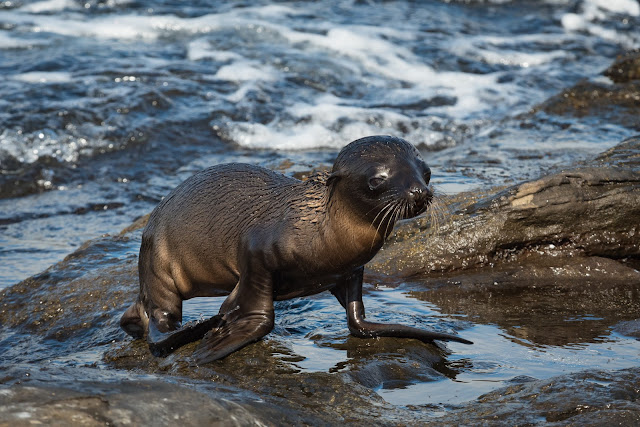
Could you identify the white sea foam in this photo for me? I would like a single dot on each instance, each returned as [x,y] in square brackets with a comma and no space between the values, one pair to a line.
[629,7]
[131,26]
[201,49]
[498,50]
[377,56]
[593,11]
[49,6]
[320,125]
[43,77]
[246,71]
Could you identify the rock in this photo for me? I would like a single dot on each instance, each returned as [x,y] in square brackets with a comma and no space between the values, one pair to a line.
[629,328]
[71,311]
[541,300]
[552,262]
[49,397]
[593,398]
[580,212]
[625,68]
[616,103]
[561,247]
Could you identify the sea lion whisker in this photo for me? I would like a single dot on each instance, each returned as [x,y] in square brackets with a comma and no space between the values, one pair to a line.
[382,202]
[440,214]
[380,212]
[387,209]
[385,220]
[393,218]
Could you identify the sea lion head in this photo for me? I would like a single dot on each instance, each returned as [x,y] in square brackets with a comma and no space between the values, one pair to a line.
[382,178]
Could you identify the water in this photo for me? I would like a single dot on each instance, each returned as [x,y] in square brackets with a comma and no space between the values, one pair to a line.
[107,105]
[497,358]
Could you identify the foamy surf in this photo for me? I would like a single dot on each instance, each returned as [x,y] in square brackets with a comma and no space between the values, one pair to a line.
[594,12]
[296,78]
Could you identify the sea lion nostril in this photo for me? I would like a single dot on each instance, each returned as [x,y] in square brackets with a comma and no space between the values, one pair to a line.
[418,193]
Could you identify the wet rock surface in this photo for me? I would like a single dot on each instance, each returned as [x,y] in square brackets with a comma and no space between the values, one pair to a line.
[551,263]
[613,100]
[586,398]
[69,315]
[528,259]
[580,212]
[546,268]
[625,68]
[40,397]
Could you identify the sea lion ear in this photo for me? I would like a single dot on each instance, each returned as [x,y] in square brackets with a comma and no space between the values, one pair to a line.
[333,177]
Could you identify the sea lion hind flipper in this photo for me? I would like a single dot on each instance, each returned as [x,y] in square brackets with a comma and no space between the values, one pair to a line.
[164,343]
[234,335]
[132,323]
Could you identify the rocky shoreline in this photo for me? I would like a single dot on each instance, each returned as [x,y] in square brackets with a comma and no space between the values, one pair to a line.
[566,244]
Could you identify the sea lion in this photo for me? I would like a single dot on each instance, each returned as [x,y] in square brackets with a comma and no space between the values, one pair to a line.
[261,236]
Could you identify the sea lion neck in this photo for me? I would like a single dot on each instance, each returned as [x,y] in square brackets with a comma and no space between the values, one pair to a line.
[351,223]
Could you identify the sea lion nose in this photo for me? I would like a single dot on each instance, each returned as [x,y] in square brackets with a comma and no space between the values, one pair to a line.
[419,199]
[420,193]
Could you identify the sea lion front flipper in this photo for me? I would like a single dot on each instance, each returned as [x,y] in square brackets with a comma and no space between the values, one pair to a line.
[248,312]
[349,294]
[163,343]
[223,341]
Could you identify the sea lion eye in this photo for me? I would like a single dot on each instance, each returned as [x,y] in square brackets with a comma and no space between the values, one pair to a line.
[377,180]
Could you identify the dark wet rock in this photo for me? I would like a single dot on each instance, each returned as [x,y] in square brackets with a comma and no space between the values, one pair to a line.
[19,179]
[625,68]
[624,155]
[612,103]
[552,261]
[616,103]
[541,300]
[60,396]
[587,398]
[629,328]
[74,307]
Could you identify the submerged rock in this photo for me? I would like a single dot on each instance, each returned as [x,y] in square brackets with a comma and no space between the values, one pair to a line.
[586,398]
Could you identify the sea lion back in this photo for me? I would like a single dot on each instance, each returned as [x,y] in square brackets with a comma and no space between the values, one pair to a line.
[197,229]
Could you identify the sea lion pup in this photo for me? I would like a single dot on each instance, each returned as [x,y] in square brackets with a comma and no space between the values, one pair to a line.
[261,236]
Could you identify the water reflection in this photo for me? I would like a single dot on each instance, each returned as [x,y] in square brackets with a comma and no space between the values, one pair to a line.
[518,335]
